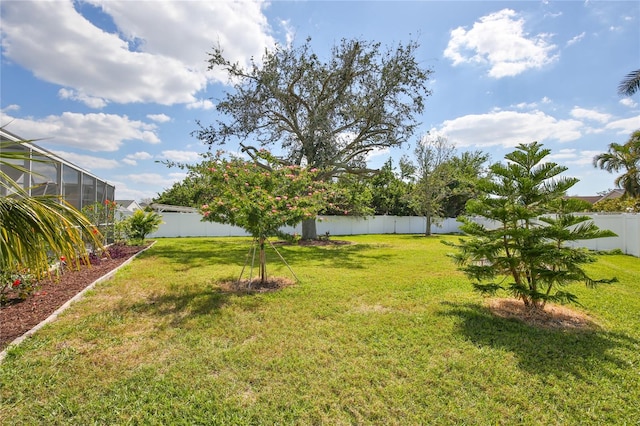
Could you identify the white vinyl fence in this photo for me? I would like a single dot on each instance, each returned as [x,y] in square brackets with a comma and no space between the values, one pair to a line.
[626,226]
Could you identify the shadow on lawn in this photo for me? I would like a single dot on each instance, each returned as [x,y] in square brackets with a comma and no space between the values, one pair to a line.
[184,305]
[347,256]
[542,351]
[187,255]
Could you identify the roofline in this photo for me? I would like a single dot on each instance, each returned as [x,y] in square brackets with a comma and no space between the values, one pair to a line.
[15,138]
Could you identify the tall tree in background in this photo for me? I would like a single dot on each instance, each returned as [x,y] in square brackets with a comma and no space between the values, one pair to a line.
[189,192]
[528,223]
[325,115]
[626,158]
[630,84]
[433,177]
[390,193]
[466,170]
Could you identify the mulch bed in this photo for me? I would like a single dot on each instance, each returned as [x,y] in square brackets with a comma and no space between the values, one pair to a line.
[552,317]
[19,316]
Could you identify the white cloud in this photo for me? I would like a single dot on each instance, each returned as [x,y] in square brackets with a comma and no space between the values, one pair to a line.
[573,157]
[204,104]
[290,33]
[131,159]
[589,114]
[576,39]
[378,152]
[628,102]
[12,107]
[525,105]
[61,46]
[160,118]
[135,186]
[90,101]
[500,41]
[625,126]
[180,156]
[507,129]
[153,178]
[88,162]
[93,132]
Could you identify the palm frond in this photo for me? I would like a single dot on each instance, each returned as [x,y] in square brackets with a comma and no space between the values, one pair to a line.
[630,84]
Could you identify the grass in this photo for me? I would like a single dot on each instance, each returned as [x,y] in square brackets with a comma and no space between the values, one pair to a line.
[384,331]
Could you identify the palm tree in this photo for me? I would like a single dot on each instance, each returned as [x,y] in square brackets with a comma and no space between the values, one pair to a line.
[630,84]
[623,157]
[35,230]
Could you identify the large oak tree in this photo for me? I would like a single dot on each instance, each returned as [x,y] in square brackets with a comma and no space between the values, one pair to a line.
[323,114]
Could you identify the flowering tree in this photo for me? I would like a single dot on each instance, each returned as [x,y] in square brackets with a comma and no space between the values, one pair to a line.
[258,196]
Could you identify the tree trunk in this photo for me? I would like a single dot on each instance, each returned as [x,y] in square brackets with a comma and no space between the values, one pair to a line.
[263,261]
[427,231]
[309,231]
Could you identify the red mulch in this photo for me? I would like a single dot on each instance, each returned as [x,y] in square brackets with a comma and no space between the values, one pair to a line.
[19,316]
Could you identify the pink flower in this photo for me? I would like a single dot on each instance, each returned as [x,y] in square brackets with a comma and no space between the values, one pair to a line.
[205,214]
[205,206]
[274,211]
[278,198]
[246,184]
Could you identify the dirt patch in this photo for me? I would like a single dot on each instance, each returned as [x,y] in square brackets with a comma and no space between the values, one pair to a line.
[255,285]
[552,317]
[313,243]
[19,316]
[324,242]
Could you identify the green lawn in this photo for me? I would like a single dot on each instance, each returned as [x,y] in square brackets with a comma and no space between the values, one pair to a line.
[384,331]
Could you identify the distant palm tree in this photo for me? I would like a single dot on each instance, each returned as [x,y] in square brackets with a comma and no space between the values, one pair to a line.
[630,84]
[623,157]
[36,230]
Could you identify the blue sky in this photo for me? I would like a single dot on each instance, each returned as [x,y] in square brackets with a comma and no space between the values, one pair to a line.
[114,86]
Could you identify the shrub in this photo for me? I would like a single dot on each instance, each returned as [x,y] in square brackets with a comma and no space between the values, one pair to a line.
[141,224]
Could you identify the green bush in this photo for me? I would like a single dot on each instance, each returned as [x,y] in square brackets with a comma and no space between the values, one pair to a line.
[141,224]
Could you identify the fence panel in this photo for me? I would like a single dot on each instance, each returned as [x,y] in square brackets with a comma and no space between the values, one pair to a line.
[626,226]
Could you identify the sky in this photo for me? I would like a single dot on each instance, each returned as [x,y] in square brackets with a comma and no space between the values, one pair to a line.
[116,87]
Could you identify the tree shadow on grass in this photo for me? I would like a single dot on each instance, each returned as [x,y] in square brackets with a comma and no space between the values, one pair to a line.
[186,256]
[182,305]
[543,351]
[348,256]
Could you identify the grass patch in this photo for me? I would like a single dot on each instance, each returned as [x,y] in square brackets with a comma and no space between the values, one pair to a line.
[382,331]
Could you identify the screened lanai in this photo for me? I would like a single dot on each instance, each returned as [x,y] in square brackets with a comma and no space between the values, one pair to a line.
[49,174]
